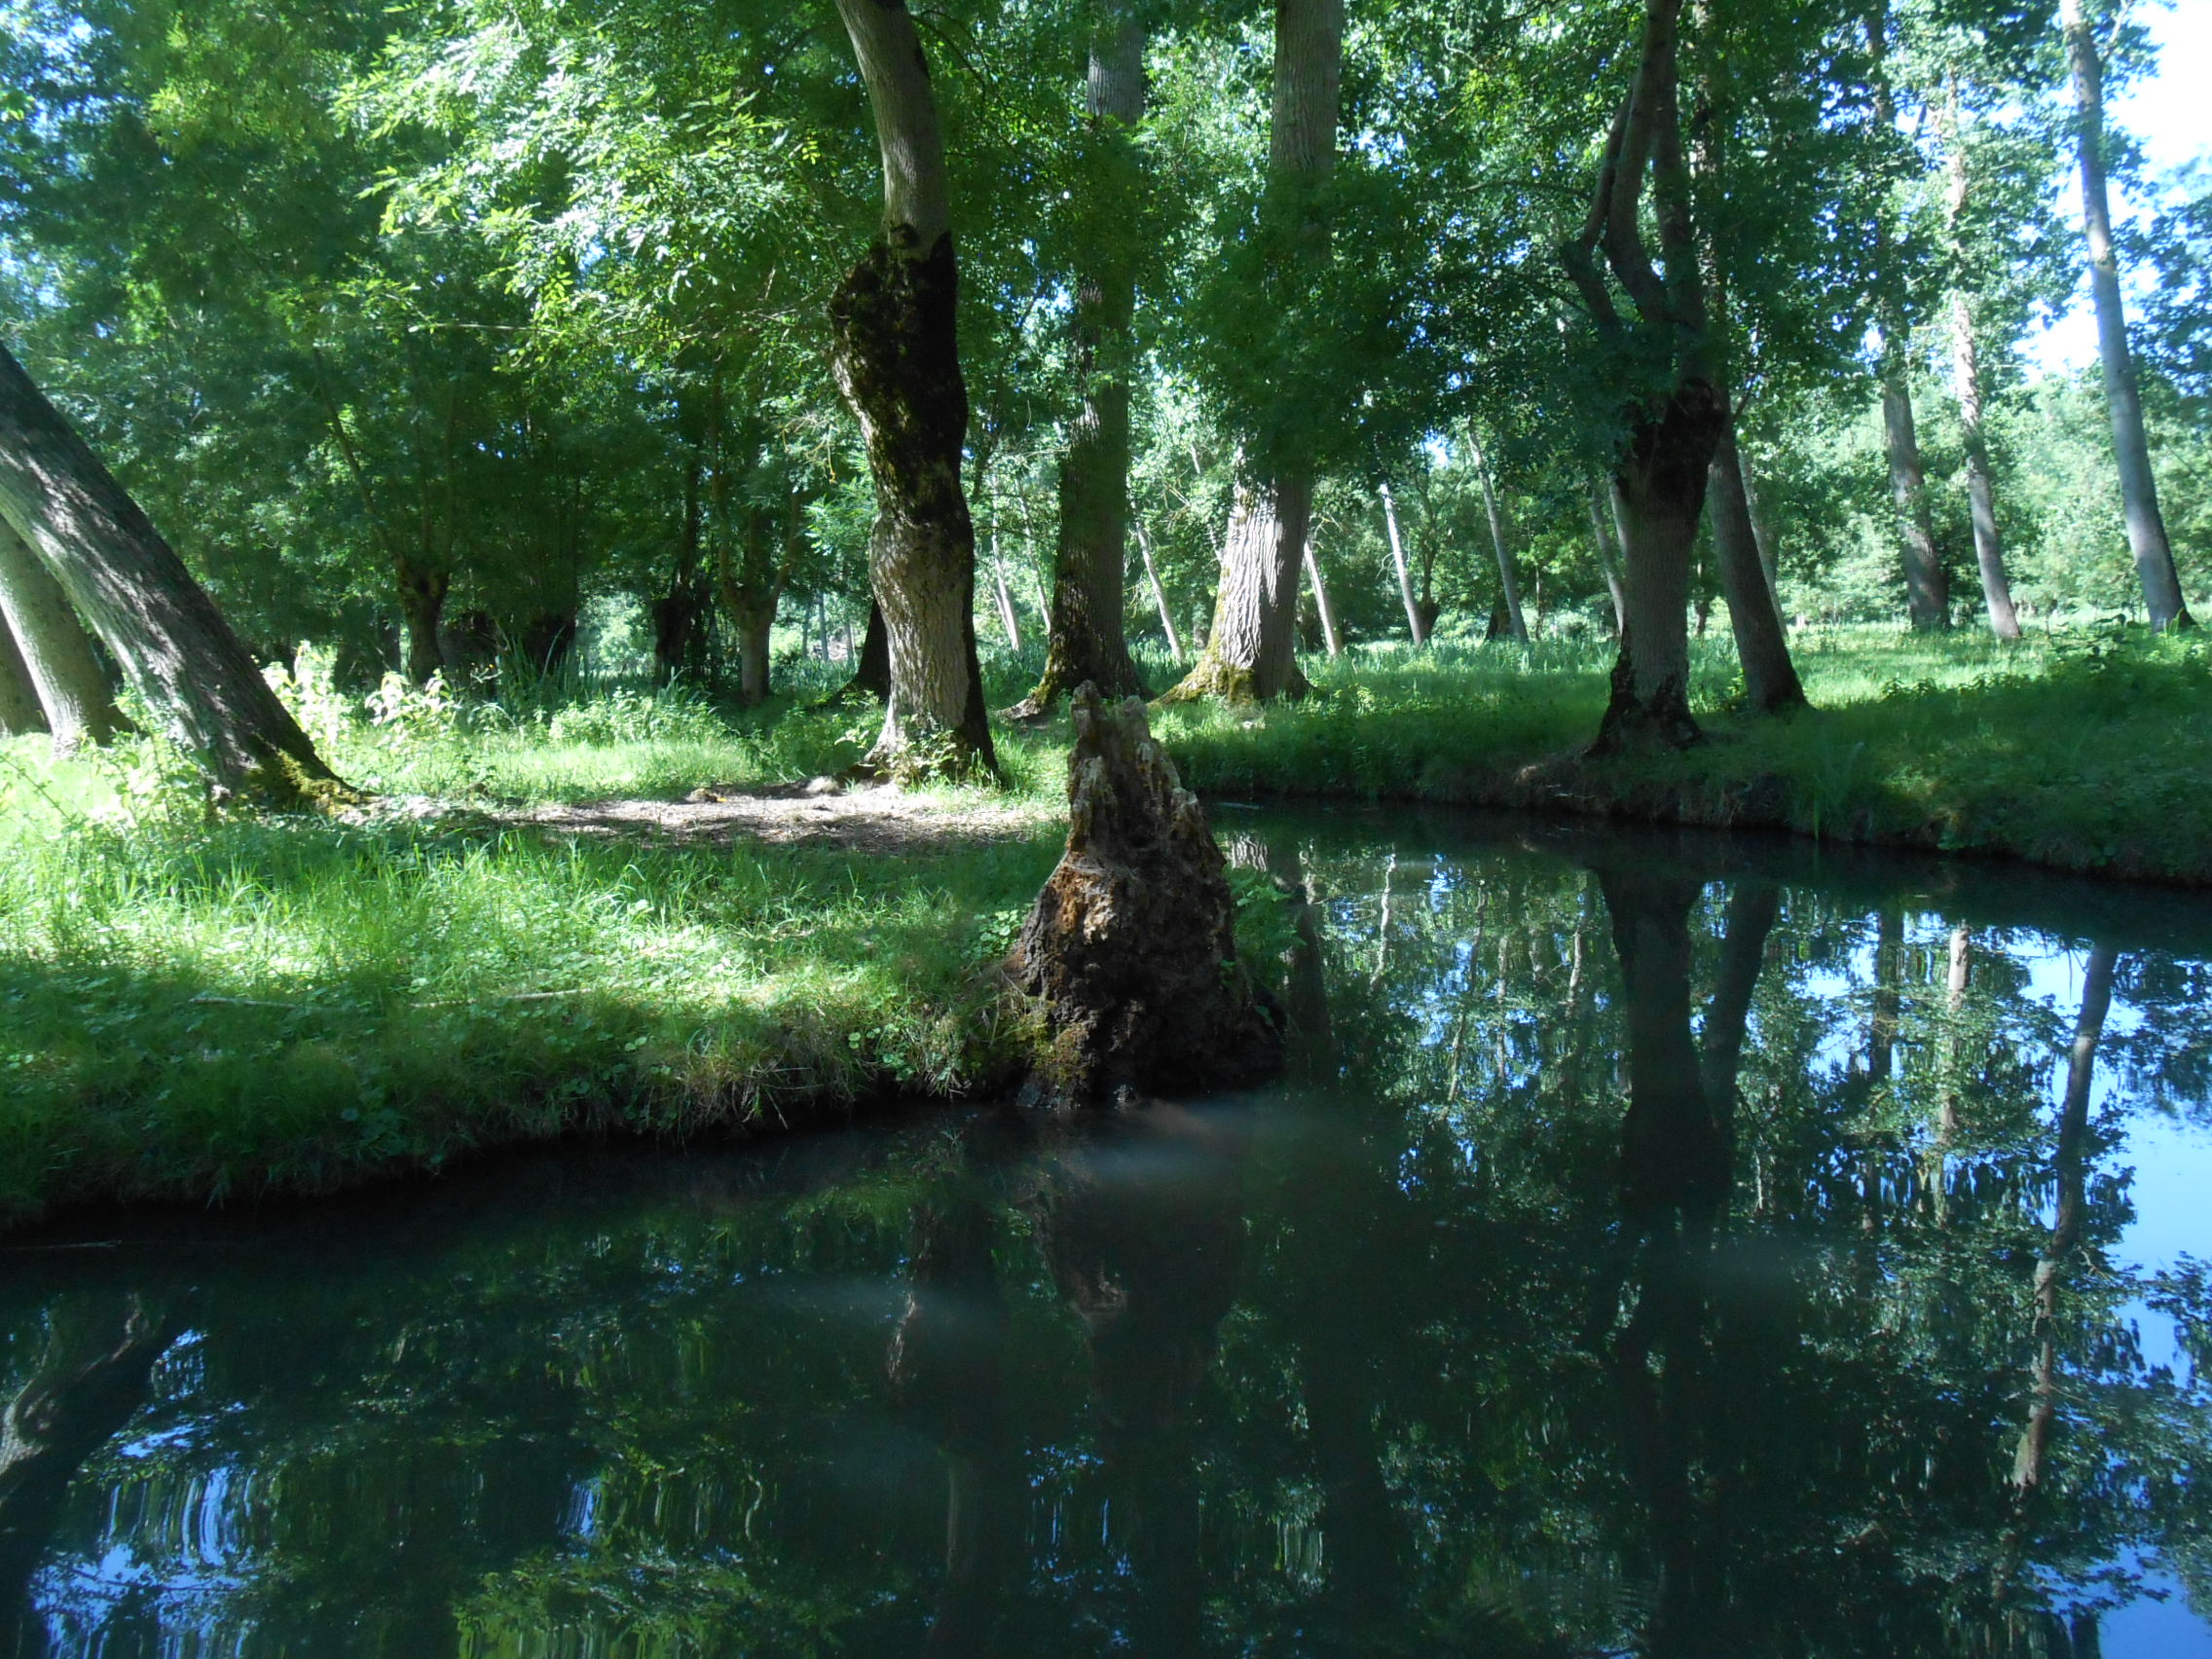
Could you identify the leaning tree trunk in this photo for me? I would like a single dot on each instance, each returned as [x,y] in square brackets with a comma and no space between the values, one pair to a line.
[1508,583]
[1927,597]
[1251,648]
[56,652]
[1331,637]
[20,709]
[2131,445]
[1417,625]
[896,354]
[134,592]
[1086,640]
[1770,677]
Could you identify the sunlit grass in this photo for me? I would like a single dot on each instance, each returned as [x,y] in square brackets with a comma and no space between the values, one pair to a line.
[192,1005]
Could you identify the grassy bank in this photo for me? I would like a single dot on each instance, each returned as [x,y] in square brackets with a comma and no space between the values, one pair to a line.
[195,1007]
[2085,753]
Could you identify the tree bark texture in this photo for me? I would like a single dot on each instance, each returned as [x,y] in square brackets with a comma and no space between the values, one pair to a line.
[896,354]
[1131,947]
[749,567]
[1770,679]
[1928,594]
[1675,420]
[2131,445]
[1088,640]
[1508,583]
[136,594]
[70,686]
[20,709]
[1251,649]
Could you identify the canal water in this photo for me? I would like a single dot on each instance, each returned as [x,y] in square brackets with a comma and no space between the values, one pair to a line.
[1661,1246]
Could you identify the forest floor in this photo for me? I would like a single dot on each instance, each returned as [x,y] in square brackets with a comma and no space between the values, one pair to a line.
[536,933]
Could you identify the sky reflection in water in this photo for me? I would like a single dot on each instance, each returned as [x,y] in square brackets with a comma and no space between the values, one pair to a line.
[1662,1245]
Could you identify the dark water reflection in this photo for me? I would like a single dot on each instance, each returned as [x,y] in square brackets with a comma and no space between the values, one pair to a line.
[1666,1248]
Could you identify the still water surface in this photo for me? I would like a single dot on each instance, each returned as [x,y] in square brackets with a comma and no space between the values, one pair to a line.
[1662,1245]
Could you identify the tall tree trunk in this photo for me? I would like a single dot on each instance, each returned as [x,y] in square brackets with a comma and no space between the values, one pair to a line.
[1417,625]
[1601,533]
[1251,648]
[136,594]
[1965,374]
[1508,584]
[1982,499]
[1329,634]
[20,709]
[1160,595]
[2131,445]
[1927,597]
[1250,652]
[1770,679]
[896,354]
[1087,639]
[56,652]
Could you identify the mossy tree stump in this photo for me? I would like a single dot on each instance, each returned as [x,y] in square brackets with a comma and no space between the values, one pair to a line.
[1132,947]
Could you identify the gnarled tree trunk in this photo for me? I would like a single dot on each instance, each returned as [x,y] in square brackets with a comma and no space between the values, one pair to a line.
[2131,445]
[896,359]
[423,588]
[133,591]
[1131,947]
[71,686]
[1088,640]
[1659,480]
[1251,648]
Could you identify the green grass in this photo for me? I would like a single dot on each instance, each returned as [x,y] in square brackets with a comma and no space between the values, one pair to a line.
[2089,753]
[194,1006]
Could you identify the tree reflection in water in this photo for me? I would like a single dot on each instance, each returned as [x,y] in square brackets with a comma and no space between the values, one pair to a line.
[1756,1285]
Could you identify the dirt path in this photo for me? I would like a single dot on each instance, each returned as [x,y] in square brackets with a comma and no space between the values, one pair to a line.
[873,820]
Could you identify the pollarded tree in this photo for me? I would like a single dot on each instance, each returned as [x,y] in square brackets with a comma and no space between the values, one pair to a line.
[1250,651]
[897,357]
[135,594]
[1664,357]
